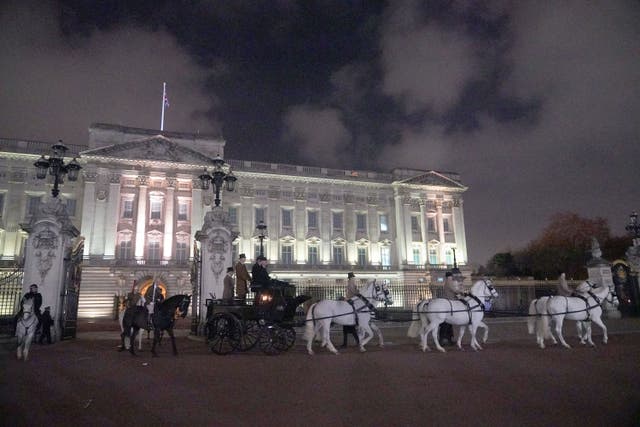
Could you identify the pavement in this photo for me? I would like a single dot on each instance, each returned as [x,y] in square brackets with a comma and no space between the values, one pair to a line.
[394,333]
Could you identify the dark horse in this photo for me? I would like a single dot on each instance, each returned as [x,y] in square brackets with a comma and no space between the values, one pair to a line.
[163,319]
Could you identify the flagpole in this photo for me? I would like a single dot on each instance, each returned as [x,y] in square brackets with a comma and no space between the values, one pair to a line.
[164,98]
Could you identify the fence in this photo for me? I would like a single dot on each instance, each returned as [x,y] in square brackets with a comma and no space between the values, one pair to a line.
[10,293]
[513,299]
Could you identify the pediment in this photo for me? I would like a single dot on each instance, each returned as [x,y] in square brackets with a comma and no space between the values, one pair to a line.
[433,178]
[157,148]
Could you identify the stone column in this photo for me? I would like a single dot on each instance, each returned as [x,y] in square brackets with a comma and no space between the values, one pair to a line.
[167,246]
[141,221]
[215,251]
[600,272]
[112,217]
[50,237]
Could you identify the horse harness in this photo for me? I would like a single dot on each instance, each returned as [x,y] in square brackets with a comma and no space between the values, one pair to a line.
[586,303]
[367,304]
[33,319]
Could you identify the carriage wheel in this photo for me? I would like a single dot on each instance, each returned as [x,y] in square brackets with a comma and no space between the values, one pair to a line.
[287,337]
[223,333]
[272,339]
[249,336]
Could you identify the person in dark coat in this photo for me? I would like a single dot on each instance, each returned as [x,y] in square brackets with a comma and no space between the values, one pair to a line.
[242,277]
[452,289]
[46,322]
[227,290]
[352,290]
[259,274]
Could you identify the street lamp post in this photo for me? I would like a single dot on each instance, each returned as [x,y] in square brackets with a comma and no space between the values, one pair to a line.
[262,234]
[219,175]
[633,227]
[56,167]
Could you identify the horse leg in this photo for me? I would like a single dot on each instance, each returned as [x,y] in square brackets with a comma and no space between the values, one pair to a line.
[19,348]
[485,337]
[473,328]
[460,335]
[375,328]
[368,334]
[433,327]
[122,336]
[540,332]
[598,321]
[326,326]
[558,320]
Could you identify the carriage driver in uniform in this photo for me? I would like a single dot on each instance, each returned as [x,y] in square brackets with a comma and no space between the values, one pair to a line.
[453,290]
[259,274]
[242,278]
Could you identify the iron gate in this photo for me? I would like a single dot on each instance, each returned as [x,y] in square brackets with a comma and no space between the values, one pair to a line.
[10,293]
[71,291]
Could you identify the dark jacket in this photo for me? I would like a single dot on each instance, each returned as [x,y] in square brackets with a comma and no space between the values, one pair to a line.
[260,276]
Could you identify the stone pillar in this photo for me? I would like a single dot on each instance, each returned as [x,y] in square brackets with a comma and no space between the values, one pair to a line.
[600,272]
[141,221]
[51,235]
[167,246]
[215,251]
[112,217]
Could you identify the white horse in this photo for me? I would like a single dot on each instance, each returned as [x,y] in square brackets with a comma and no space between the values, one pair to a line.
[356,312]
[26,328]
[468,311]
[580,309]
[422,321]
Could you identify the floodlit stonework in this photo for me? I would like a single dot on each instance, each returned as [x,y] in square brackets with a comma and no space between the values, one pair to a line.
[138,204]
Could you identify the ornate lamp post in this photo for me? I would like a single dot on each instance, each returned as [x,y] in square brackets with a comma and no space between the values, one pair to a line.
[633,227]
[261,229]
[56,167]
[220,174]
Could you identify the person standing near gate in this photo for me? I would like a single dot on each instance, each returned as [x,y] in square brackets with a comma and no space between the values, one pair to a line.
[351,291]
[46,322]
[227,286]
[242,278]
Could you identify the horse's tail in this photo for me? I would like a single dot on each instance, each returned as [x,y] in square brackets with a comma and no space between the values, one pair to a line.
[308,327]
[531,320]
[414,328]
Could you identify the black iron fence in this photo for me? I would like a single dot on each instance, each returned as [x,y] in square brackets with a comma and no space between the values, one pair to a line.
[10,293]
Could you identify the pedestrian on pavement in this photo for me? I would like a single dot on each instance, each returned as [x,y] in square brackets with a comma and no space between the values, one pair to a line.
[351,291]
[46,322]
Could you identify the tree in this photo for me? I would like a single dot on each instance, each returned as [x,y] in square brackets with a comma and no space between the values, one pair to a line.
[565,245]
[502,264]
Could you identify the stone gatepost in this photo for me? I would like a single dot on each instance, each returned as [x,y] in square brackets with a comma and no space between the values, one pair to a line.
[51,235]
[600,272]
[215,240]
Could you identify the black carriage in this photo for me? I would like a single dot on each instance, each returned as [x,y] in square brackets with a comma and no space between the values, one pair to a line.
[268,321]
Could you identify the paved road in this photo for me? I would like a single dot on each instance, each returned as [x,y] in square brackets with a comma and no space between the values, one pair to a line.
[510,383]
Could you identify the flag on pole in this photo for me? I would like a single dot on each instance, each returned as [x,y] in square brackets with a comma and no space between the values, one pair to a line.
[165,104]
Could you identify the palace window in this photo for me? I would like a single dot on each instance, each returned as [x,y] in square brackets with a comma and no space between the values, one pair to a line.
[154,252]
[155,211]
[233,215]
[33,203]
[445,225]
[312,219]
[338,254]
[286,254]
[433,256]
[431,224]
[182,251]
[361,222]
[415,224]
[183,210]
[384,223]
[125,246]
[362,256]
[448,256]
[385,256]
[416,256]
[1,203]
[337,221]
[260,215]
[127,208]
[312,252]
[287,218]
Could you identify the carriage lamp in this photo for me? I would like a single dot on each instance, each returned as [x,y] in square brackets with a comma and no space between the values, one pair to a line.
[56,167]
[261,233]
[633,227]
[265,297]
[220,175]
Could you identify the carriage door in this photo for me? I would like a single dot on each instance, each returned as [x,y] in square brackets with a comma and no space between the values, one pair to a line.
[71,292]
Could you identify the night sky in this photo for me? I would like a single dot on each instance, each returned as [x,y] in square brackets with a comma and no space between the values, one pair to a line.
[534,103]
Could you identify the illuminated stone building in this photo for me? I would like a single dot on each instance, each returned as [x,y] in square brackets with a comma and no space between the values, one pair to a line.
[138,205]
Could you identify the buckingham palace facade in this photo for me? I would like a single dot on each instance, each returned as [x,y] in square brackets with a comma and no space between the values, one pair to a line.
[138,204]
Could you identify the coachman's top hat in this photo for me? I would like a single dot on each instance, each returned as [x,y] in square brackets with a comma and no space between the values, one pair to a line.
[350,275]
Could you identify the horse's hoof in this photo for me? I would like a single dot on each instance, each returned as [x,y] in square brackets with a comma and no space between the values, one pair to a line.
[363,350]
[442,350]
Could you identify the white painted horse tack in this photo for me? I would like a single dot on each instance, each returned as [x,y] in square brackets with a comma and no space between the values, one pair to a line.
[470,312]
[560,308]
[26,329]
[359,311]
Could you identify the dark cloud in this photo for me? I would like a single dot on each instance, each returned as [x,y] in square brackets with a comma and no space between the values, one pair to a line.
[533,103]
